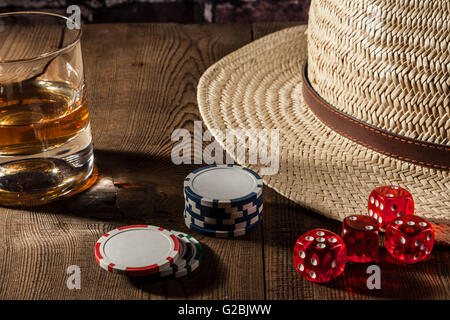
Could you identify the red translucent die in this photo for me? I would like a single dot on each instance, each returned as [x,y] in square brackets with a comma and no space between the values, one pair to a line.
[361,237]
[389,202]
[409,239]
[319,255]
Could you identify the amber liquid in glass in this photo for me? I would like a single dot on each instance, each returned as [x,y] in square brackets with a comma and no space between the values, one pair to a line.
[45,141]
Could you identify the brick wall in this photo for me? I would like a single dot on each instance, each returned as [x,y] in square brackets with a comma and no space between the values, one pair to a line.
[184,11]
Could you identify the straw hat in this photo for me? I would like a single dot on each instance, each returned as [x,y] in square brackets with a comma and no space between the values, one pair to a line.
[373,109]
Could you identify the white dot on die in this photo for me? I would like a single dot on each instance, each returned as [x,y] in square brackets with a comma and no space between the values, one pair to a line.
[321,246]
[345,231]
[394,207]
[422,247]
[353,218]
[333,264]
[320,233]
[381,206]
[312,274]
[314,261]
[390,195]
[332,240]
[416,256]
[429,237]
[375,216]
[427,251]
[309,238]
[402,240]
[370,212]
[417,243]
[369,228]
[301,254]
[301,267]
[422,224]
[395,188]
[320,239]
[377,203]
[399,222]
[372,200]
[410,223]
[380,219]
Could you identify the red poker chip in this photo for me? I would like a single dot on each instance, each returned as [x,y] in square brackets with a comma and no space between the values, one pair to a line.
[137,250]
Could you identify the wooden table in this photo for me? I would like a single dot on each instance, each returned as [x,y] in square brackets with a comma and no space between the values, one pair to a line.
[142,80]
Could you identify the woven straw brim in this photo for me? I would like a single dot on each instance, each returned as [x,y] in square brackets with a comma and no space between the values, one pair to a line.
[259,87]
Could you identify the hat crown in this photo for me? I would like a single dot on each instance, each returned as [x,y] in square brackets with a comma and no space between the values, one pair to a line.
[385,62]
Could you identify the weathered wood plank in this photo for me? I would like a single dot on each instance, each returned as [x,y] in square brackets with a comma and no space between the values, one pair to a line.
[142,82]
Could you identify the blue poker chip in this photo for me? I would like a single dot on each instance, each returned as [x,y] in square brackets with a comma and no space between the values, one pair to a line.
[223,186]
[221,233]
[224,213]
[220,204]
[224,227]
[236,206]
[225,222]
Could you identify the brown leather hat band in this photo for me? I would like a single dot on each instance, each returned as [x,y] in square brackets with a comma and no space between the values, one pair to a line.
[403,148]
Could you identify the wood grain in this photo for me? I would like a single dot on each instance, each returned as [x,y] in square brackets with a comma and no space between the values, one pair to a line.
[142,81]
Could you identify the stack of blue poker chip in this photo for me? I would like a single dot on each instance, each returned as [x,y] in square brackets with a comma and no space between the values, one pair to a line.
[223,201]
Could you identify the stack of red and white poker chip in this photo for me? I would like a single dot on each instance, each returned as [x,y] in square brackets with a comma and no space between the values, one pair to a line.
[145,250]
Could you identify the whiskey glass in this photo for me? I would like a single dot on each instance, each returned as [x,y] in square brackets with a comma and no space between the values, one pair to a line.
[45,136]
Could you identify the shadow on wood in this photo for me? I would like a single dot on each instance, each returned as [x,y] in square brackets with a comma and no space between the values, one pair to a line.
[398,281]
[200,280]
[132,188]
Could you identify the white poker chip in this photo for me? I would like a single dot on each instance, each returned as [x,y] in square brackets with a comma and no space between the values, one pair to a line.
[229,213]
[223,186]
[182,261]
[183,247]
[220,233]
[137,250]
[250,214]
[224,227]
[196,257]
[193,257]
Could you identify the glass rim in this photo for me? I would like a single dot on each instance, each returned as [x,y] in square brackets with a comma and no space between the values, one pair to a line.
[45,54]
